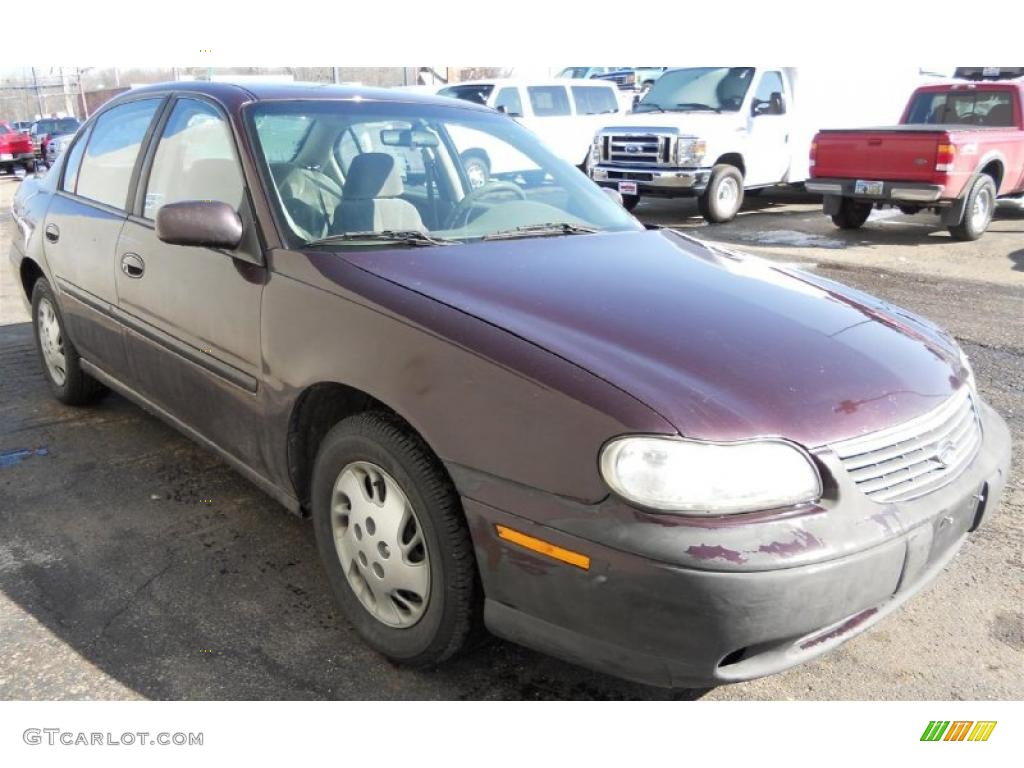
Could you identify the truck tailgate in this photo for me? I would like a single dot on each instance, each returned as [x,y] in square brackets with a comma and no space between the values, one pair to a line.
[884,154]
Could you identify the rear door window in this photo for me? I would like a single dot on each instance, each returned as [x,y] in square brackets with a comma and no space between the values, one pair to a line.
[594,100]
[509,99]
[113,150]
[549,100]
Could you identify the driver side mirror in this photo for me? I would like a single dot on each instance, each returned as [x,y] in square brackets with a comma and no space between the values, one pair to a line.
[203,223]
[775,105]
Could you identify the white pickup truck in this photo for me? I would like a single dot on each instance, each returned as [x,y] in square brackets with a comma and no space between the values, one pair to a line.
[715,132]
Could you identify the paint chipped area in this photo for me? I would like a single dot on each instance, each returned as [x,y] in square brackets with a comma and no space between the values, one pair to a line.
[708,552]
[847,626]
[792,237]
[804,542]
[17,455]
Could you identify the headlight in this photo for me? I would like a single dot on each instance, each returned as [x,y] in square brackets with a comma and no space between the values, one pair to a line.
[690,150]
[693,477]
[595,150]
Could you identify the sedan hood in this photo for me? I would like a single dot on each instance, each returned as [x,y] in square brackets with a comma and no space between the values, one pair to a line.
[724,346]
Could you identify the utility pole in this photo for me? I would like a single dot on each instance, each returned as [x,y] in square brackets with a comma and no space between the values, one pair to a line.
[39,96]
[337,74]
[81,94]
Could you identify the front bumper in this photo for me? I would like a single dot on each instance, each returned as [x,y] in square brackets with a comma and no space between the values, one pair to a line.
[673,603]
[906,192]
[664,182]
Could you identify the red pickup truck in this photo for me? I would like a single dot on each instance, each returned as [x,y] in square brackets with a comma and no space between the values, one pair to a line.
[15,149]
[958,147]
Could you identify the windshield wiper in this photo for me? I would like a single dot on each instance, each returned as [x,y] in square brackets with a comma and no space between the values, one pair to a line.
[694,105]
[540,230]
[397,237]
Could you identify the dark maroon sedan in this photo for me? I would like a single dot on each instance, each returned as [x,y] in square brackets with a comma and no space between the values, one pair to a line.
[508,405]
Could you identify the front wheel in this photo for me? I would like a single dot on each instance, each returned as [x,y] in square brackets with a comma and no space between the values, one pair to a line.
[978,212]
[394,542]
[722,199]
[852,214]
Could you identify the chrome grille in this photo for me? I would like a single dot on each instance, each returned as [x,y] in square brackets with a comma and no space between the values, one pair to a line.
[916,457]
[640,148]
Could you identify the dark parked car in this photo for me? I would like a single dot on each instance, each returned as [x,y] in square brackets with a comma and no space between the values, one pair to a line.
[507,406]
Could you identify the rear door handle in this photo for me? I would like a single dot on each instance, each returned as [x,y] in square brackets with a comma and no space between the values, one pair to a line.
[133,265]
[52,233]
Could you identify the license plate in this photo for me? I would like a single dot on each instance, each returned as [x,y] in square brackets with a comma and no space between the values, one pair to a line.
[868,187]
[627,187]
[6,156]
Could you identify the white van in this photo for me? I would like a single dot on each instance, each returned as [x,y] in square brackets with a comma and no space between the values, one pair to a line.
[715,132]
[564,113]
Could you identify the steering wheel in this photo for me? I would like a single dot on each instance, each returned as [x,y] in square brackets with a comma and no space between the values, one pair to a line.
[459,216]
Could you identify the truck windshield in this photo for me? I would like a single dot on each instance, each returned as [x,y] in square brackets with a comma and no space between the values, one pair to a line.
[372,174]
[983,107]
[718,89]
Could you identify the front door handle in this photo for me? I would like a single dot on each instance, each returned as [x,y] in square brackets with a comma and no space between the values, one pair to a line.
[133,265]
[52,233]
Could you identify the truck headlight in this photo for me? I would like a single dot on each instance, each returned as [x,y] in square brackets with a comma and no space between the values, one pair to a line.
[690,150]
[701,478]
[595,151]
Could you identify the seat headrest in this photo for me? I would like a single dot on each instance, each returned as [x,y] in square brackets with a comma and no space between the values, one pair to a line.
[372,175]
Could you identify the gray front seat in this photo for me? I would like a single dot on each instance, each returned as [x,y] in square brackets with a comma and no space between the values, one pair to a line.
[370,199]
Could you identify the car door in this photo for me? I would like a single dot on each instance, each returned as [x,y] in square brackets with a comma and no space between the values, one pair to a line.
[83,223]
[768,129]
[192,313]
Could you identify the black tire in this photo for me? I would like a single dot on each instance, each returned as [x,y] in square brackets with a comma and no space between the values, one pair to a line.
[78,387]
[30,166]
[454,610]
[974,224]
[715,207]
[629,202]
[852,214]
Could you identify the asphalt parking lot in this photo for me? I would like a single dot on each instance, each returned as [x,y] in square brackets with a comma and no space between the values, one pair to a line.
[134,564]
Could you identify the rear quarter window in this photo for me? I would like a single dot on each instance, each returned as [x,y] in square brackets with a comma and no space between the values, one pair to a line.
[594,100]
[549,100]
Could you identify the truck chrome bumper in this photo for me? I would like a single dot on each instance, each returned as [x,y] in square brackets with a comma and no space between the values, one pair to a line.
[909,192]
[653,180]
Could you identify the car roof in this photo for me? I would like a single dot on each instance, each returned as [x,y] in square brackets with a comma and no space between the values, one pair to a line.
[296,91]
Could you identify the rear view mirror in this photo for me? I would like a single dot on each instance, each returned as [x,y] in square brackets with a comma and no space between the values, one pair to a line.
[199,222]
[405,137]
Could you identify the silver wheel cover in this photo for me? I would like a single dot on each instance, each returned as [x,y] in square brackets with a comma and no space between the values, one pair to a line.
[380,544]
[51,341]
[728,195]
[981,211]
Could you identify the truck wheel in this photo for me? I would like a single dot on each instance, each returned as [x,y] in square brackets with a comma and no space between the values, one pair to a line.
[629,202]
[61,362]
[852,214]
[394,541]
[981,204]
[477,170]
[722,199]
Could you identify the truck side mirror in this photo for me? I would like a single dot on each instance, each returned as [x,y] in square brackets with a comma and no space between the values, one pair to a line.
[778,103]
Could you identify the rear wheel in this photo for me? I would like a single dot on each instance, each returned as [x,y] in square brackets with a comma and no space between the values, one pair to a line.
[852,214]
[978,212]
[394,542]
[722,199]
[60,359]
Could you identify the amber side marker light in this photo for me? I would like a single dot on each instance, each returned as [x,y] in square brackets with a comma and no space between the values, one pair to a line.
[543,547]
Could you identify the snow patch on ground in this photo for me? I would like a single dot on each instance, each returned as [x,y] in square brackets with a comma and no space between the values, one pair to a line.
[792,237]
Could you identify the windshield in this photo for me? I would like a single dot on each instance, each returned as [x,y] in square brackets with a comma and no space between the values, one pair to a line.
[477,93]
[365,172]
[4,129]
[991,108]
[721,89]
[574,72]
